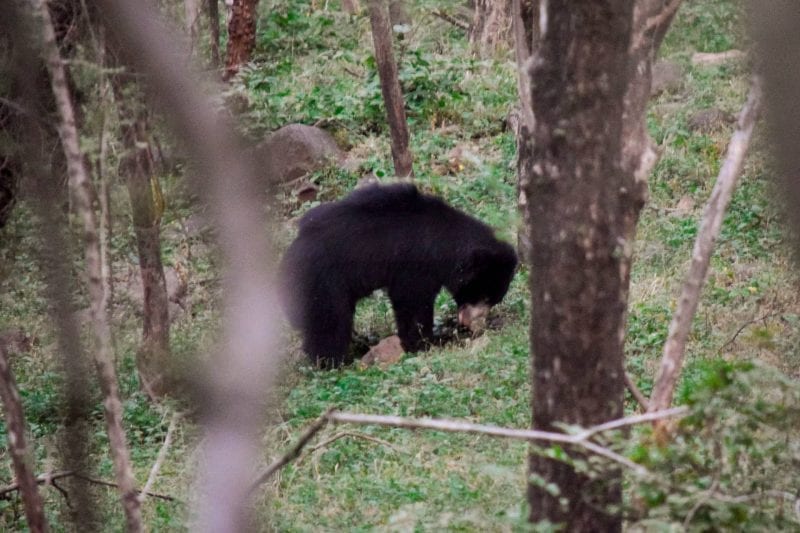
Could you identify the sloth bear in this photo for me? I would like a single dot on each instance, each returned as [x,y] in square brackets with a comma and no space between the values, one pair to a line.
[388,237]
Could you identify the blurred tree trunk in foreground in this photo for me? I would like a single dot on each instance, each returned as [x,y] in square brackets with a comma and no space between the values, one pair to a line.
[241,35]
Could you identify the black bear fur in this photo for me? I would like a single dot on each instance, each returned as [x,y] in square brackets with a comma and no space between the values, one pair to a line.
[387,237]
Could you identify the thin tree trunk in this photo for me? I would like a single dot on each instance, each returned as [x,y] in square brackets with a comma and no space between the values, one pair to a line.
[241,35]
[153,356]
[390,88]
[81,187]
[675,347]
[571,165]
[491,24]
[191,11]
[18,448]
[213,23]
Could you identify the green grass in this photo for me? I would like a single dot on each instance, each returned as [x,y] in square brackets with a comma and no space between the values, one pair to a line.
[316,65]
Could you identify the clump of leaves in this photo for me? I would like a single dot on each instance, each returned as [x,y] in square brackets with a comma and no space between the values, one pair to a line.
[732,462]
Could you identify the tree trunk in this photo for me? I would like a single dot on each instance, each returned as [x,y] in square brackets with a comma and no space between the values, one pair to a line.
[779,57]
[571,168]
[491,24]
[152,359]
[241,35]
[191,10]
[213,23]
[390,88]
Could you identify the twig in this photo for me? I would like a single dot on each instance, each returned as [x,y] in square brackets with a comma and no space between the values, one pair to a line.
[162,454]
[17,447]
[50,478]
[293,452]
[343,434]
[580,438]
[743,326]
[635,392]
[675,347]
[458,23]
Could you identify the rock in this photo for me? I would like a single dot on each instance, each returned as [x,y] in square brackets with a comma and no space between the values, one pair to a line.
[667,77]
[295,150]
[708,120]
[684,207]
[306,192]
[385,353]
[716,58]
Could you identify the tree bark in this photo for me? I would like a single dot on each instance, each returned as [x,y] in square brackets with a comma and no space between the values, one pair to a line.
[81,188]
[571,163]
[241,35]
[390,88]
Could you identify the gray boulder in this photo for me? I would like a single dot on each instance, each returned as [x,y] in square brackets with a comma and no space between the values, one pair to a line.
[296,150]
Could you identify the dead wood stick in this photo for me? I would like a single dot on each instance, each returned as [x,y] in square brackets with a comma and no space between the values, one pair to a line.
[50,478]
[355,435]
[17,447]
[162,454]
[675,347]
[81,187]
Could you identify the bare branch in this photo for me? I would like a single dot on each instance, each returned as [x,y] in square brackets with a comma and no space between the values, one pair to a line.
[635,392]
[355,435]
[675,347]
[50,478]
[580,438]
[293,452]
[81,187]
[162,454]
[17,447]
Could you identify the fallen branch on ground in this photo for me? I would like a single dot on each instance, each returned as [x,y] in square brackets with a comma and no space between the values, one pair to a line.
[580,438]
[49,478]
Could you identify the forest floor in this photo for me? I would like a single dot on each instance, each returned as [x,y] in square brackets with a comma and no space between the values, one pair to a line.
[314,65]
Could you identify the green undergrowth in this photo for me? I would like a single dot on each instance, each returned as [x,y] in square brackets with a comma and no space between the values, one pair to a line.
[314,65]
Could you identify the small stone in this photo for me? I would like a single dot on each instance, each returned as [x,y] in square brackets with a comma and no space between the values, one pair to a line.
[387,352]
